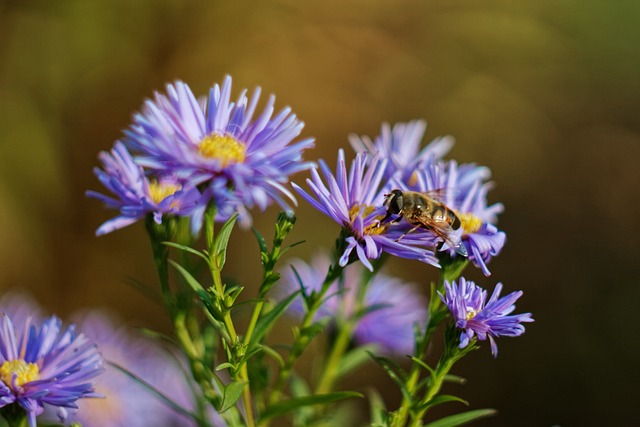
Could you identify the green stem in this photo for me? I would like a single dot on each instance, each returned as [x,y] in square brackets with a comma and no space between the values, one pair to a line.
[243,374]
[443,368]
[159,233]
[451,270]
[341,343]
[254,320]
[14,415]
[302,340]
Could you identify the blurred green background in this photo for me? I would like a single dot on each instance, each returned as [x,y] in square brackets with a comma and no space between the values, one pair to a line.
[545,93]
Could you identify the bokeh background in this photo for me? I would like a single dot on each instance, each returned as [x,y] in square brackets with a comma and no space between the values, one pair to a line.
[545,93]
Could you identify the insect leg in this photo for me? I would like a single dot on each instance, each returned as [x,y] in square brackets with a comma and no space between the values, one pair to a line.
[407,232]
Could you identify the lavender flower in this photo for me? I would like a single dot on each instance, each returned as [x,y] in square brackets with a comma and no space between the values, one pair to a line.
[481,318]
[44,364]
[217,144]
[464,189]
[395,306]
[137,194]
[355,201]
[127,402]
[401,146]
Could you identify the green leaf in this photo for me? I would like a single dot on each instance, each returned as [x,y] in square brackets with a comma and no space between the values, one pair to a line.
[293,245]
[288,405]
[231,394]
[261,242]
[378,409]
[186,249]
[455,379]
[191,281]
[225,365]
[221,242]
[463,418]
[424,365]
[167,401]
[395,373]
[354,359]
[274,354]
[264,323]
[440,399]
[246,302]
[299,386]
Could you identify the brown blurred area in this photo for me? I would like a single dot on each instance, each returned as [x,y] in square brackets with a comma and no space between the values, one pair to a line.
[547,94]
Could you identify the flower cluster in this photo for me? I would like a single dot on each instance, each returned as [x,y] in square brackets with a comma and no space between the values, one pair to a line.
[187,157]
[355,199]
[182,154]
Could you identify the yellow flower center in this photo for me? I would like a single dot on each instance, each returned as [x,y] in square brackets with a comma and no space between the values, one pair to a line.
[225,148]
[413,179]
[159,191]
[470,223]
[471,313]
[374,228]
[23,371]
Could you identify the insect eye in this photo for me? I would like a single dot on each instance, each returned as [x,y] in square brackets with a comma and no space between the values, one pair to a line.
[396,202]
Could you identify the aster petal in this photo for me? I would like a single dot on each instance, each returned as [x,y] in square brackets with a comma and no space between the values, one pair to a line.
[488,319]
[352,243]
[362,256]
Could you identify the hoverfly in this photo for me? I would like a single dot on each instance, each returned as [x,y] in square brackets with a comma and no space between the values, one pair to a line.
[423,210]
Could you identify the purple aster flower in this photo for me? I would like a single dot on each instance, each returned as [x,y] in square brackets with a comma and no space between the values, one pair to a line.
[401,146]
[137,194]
[395,306]
[481,318]
[243,162]
[41,363]
[354,200]
[464,189]
[127,402]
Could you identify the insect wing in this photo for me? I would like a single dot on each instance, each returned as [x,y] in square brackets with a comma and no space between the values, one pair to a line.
[444,231]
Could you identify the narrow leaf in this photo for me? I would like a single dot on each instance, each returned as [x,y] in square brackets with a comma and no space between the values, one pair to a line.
[261,242]
[443,398]
[220,244]
[299,386]
[231,394]
[354,359]
[455,379]
[286,406]
[191,281]
[274,354]
[170,403]
[225,365]
[424,365]
[186,249]
[378,409]
[265,322]
[463,418]
[395,373]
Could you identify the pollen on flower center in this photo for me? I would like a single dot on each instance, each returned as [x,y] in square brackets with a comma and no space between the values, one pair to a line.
[23,371]
[225,148]
[159,191]
[470,223]
[471,313]
[376,227]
